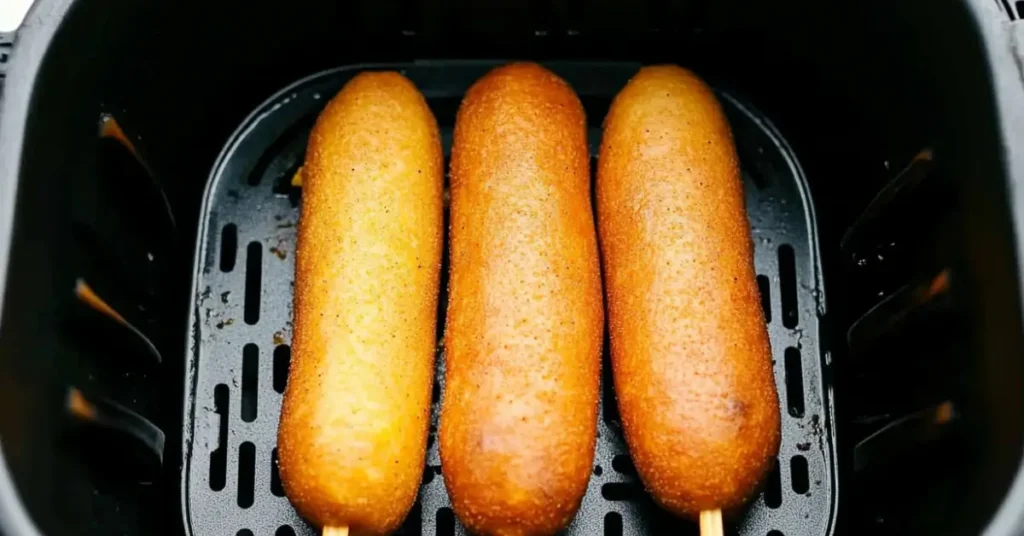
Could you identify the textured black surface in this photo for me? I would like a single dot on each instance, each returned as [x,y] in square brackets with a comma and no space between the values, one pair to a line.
[6,46]
[249,189]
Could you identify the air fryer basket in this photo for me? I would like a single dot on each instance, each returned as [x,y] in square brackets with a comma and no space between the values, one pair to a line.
[241,325]
[906,119]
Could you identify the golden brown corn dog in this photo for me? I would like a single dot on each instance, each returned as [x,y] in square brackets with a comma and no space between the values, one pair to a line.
[354,420]
[524,326]
[690,352]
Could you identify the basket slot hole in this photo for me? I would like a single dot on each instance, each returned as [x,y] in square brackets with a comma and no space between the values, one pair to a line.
[794,383]
[620,491]
[787,286]
[798,472]
[775,533]
[253,277]
[433,470]
[773,488]
[246,474]
[250,380]
[228,247]
[613,524]
[244,532]
[764,286]
[275,476]
[413,524]
[608,407]
[445,522]
[284,530]
[219,456]
[282,360]
[623,464]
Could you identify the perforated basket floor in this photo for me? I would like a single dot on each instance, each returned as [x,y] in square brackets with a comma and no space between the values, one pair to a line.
[242,310]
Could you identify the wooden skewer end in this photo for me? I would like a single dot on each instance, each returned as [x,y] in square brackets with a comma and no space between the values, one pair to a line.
[335,531]
[711,523]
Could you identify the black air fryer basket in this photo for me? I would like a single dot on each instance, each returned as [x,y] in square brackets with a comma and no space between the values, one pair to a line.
[147,237]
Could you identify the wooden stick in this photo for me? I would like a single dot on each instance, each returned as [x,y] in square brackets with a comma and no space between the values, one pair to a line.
[711,523]
[335,531]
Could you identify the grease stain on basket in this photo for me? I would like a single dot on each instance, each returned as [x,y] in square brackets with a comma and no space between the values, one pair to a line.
[205,295]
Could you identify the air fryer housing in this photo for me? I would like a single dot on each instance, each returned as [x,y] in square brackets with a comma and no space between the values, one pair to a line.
[907,119]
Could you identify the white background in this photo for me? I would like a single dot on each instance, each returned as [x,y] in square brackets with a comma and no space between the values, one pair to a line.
[11,13]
